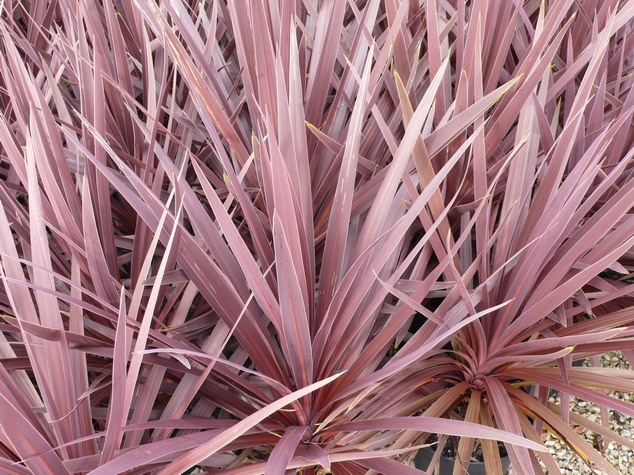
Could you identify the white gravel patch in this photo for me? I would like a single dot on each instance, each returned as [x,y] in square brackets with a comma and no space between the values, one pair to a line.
[621,457]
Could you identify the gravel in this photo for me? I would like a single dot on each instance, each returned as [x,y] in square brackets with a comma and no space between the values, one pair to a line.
[621,457]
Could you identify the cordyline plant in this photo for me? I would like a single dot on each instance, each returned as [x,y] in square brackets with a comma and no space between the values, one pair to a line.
[271,235]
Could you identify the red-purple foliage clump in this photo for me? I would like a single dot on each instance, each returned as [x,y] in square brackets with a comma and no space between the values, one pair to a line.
[268,235]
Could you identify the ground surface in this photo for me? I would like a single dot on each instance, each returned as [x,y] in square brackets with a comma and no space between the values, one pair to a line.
[621,457]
